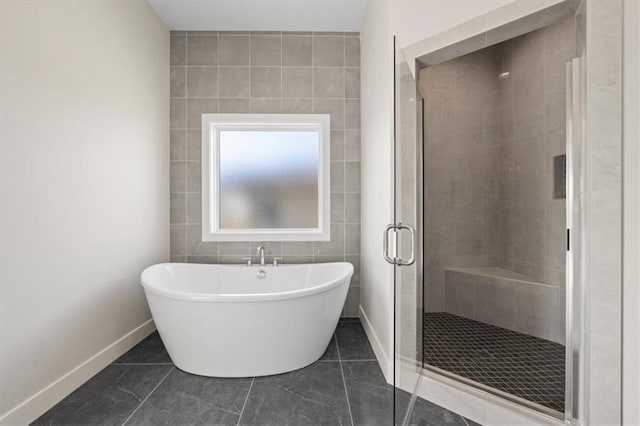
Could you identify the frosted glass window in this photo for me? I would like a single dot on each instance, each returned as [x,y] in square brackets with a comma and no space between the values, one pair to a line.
[265,177]
[269,179]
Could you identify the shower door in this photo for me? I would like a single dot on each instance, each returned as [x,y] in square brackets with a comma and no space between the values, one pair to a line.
[403,241]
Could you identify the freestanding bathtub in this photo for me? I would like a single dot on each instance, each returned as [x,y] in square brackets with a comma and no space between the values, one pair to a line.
[243,321]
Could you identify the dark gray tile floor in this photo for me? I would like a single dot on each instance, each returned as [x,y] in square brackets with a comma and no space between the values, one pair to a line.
[345,387]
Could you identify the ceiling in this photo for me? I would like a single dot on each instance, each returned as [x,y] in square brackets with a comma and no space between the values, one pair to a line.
[261,15]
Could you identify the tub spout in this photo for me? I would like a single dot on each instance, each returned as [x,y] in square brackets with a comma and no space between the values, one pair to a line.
[260,252]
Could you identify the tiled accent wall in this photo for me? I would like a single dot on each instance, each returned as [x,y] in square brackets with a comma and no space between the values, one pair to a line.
[266,72]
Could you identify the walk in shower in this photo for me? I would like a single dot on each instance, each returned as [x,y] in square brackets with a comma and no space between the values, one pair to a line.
[495,216]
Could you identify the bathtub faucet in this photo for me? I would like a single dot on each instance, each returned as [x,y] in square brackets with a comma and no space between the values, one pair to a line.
[260,252]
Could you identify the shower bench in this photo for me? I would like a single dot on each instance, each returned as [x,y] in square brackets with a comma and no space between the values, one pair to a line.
[506,299]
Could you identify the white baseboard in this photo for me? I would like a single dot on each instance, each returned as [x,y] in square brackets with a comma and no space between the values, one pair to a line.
[38,404]
[381,355]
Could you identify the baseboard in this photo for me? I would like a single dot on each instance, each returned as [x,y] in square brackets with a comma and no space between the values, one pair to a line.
[36,405]
[381,355]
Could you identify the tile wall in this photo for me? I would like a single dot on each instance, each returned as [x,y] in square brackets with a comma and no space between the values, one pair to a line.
[462,150]
[490,144]
[266,72]
[532,132]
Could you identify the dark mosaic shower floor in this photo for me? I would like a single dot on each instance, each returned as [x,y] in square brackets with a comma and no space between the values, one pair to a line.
[516,363]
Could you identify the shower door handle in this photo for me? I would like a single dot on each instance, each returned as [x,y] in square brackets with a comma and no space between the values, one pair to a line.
[385,244]
[412,257]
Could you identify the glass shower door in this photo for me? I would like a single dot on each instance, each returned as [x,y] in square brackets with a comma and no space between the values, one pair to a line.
[404,241]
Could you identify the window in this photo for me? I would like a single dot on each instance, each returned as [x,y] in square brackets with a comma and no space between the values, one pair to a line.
[265,177]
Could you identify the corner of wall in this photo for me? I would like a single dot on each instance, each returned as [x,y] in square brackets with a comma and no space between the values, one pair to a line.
[376,301]
[33,407]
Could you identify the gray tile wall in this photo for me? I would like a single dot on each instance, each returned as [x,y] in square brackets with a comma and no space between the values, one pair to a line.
[266,72]
[532,102]
[462,146]
[489,148]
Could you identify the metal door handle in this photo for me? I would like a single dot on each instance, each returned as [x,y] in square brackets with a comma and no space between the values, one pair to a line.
[412,257]
[385,245]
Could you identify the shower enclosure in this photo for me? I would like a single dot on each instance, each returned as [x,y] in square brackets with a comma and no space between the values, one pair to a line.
[487,188]
[404,250]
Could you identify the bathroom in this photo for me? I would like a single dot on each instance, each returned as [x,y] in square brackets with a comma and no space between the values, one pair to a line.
[355,212]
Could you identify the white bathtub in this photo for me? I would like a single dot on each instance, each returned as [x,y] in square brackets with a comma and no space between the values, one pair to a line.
[224,321]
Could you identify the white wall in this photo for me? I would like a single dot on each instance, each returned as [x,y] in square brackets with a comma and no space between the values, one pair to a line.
[84,139]
[413,21]
[376,292]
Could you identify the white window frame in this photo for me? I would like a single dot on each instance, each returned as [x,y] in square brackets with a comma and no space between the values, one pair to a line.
[212,125]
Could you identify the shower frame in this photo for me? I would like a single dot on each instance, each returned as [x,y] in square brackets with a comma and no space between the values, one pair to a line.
[435,51]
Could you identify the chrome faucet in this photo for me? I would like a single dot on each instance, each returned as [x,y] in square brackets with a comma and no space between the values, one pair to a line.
[260,252]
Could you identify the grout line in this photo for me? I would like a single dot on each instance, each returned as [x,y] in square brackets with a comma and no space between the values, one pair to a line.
[313,111]
[147,397]
[186,132]
[196,192]
[344,165]
[250,76]
[344,202]
[287,257]
[333,161]
[344,382]
[261,66]
[275,98]
[218,76]
[253,379]
[342,129]
[142,363]
[281,78]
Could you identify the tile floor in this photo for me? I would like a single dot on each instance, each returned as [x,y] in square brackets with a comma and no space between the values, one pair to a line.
[345,387]
[516,363]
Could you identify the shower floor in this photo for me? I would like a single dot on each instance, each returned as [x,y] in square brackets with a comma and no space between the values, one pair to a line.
[516,363]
